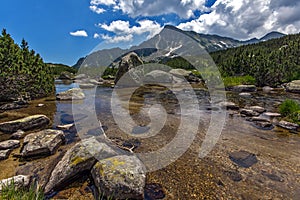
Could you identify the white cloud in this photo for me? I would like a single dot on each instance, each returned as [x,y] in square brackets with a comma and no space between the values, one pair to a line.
[103,2]
[117,39]
[123,30]
[79,33]
[96,9]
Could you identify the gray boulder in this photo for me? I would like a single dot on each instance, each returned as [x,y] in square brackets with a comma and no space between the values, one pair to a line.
[4,154]
[25,124]
[122,176]
[9,144]
[271,115]
[19,182]
[244,88]
[72,94]
[288,125]
[86,85]
[228,105]
[78,159]
[293,86]
[66,76]
[18,135]
[158,76]
[43,143]
[249,113]
[257,109]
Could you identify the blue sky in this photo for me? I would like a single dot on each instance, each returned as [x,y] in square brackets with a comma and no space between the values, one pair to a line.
[62,31]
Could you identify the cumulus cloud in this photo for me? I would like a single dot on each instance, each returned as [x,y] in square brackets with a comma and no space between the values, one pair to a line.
[79,33]
[125,32]
[244,19]
[96,9]
[117,39]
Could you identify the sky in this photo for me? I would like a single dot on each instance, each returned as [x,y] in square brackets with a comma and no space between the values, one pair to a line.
[62,31]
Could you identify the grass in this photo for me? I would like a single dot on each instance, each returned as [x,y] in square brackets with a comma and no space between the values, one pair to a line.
[238,80]
[291,110]
[11,192]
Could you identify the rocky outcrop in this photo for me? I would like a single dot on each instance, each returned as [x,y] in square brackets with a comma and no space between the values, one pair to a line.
[43,143]
[25,124]
[293,86]
[244,88]
[9,144]
[78,159]
[72,94]
[122,176]
[157,77]
[128,62]
[19,182]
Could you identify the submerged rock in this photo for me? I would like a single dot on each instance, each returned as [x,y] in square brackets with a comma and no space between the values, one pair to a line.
[43,143]
[9,144]
[228,105]
[245,94]
[244,88]
[19,182]
[293,86]
[154,191]
[78,159]
[271,115]
[243,158]
[257,109]
[288,125]
[263,125]
[72,94]
[25,124]
[4,154]
[234,175]
[12,106]
[86,85]
[250,113]
[122,176]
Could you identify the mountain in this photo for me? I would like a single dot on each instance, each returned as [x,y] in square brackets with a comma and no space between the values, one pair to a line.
[272,35]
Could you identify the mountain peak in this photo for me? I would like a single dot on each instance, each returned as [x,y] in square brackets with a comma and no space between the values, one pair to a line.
[272,35]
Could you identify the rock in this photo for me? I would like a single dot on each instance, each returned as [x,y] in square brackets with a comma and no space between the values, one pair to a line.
[154,191]
[4,154]
[234,175]
[25,124]
[86,85]
[128,62]
[293,86]
[19,182]
[257,109]
[157,77]
[9,144]
[249,113]
[272,176]
[43,143]
[243,158]
[72,94]
[267,89]
[244,88]
[78,159]
[288,125]
[66,76]
[180,73]
[123,176]
[18,135]
[228,105]
[95,82]
[12,106]
[81,76]
[259,119]
[271,115]
[65,127]
[244,94]
[40,105]
[263,125]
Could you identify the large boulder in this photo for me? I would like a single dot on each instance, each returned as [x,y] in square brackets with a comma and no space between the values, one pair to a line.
[72,94]
[25,124]
[19,182]
[9,144]
[158,76]
[244,88]
[43,143]
[293,86]
[128,62]
[122,176]
[78,159]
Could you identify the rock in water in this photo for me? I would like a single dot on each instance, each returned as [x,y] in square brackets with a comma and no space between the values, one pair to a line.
[157,77]
[288,125]
[122,176]
[43,143]
[249,113]
[72,94]
[25,124]
[128,62]
[19,182]
[257,109]
[9,144]
[243,158]
[293,86]
[244,88]
[228,105]
[180,73]
[78,159]
[4,154]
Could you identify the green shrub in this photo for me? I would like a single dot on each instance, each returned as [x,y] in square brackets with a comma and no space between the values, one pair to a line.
[290,109]
[238,80]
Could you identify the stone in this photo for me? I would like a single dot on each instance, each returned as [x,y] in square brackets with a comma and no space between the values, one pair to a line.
[78,159]
[9,144]
[25,124]
[181,73]
[243,158]
[18,135]
[272,176]
[95,82]
[234,175]
[245,94]
[123,176]
[271,115]
[65,127]
[259,119]
[249,113]
[263,125]
[228,105]
[293,86]
[267,89]
[244,88]
[288,125]
[86,85]
[257,109]
[19,182]
[40,105]
[12,106]
[154,191]
[127,63]
[81,76]
[158,77]
[66,76]
[43,143]
[4,154]
[72,94]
